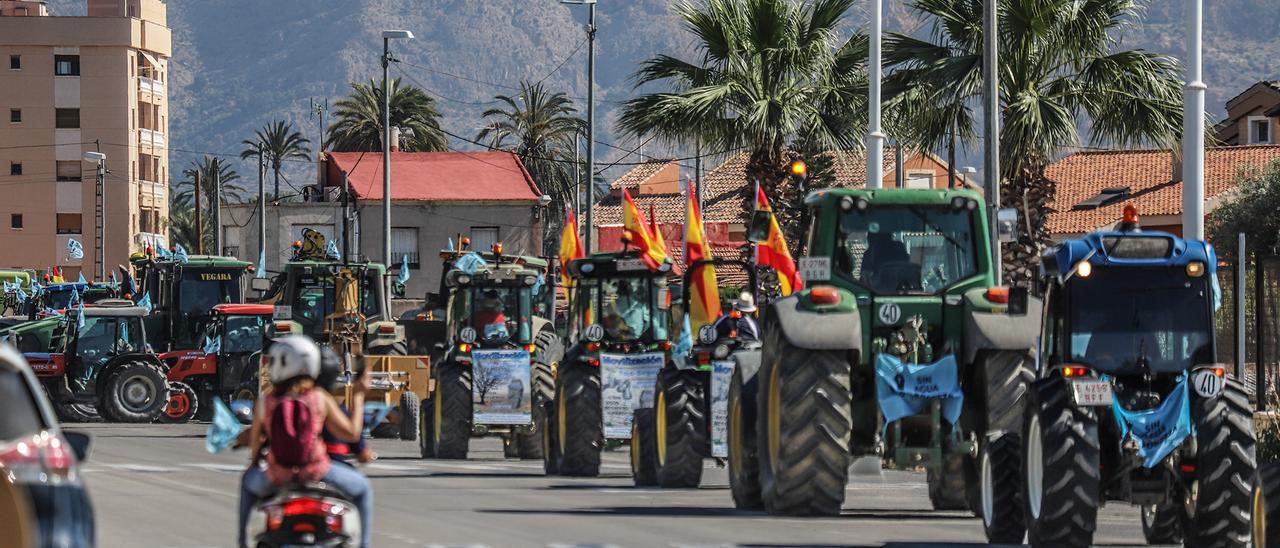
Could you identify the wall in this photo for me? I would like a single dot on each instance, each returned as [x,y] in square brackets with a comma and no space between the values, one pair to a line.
[1255,103]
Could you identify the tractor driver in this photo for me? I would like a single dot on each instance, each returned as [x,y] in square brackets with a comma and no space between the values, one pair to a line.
[739,322]
[489,320]
[626,313]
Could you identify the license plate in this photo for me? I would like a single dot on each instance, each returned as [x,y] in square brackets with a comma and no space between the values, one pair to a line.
[1091,392]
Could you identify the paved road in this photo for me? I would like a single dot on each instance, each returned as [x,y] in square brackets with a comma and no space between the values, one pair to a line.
[155,486]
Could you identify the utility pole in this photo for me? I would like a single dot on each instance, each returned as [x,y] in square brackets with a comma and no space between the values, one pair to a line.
[100,216]
[217,210]
[591,111]
[262,211]
[1193,127]
[346,219]
[697,172]
[577,176]
[317,109]
[991,129]
[875,137]
[387,35]
[199,218]
[899,178]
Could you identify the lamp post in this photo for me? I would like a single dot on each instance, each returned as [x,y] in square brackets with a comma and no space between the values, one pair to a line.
[100,214]
[387,36]
[591,111]
[875,137]
[1193,127]
[991,129]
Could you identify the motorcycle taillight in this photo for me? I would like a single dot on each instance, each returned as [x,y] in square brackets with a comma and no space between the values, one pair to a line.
[306,507]
[41,458]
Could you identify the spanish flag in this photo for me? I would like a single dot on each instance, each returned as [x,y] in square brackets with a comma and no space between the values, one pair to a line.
[570,246]
[773,252]
[704,293]
[652,252]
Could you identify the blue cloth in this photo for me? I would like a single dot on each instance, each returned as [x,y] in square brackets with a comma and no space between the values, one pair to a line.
[1158,431]
[145,302]
[684,342]
[163,252]
[469,263]
[451,248]
[262,264]
[180,254]
[1217,293]
[223,430]
[537,285]
[80,315]
[74,249]
[331,251]
[114,281]
[403,278]
[254,485]
[82,280]
[905,389]
[211,346]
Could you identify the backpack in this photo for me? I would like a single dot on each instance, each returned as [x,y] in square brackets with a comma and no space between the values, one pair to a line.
[292,441]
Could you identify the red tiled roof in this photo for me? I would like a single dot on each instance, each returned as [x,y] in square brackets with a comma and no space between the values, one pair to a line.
[436,176]
[1148,174]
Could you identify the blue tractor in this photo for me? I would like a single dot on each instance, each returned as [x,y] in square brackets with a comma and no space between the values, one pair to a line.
[1129,404]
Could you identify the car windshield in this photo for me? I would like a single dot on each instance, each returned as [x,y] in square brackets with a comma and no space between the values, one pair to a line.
[629,309]
[315,300]
[500,313]
[906,249]
[200,290]
[1122,317]
[18,414]
[243,334]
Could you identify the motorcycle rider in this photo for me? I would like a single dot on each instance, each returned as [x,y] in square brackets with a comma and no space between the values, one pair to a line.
[330,379]
[293,364]
[739,322]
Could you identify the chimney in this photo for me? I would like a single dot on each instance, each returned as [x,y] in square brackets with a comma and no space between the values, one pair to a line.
[1175,156]
[395,139]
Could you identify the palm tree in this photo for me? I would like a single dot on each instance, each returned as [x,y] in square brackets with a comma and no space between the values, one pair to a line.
[212,171]
[540,128]
[357,124]
[771,72]
[1060,65]
[182,227]
[279,143]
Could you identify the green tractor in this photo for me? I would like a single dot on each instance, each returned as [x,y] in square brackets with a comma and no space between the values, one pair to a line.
[619,340]
[183,293]
[499,357]
[304,294]
[901,348]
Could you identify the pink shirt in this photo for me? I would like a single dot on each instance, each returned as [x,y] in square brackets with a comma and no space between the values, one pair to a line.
[318,459]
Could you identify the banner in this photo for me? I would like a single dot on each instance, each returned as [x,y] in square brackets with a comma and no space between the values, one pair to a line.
[721,377]
[905,389]
[501,391]
[626,384]
[1158,431]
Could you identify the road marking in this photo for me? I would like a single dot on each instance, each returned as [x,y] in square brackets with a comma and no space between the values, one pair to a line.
[219,467]
[392,467]
[143,468]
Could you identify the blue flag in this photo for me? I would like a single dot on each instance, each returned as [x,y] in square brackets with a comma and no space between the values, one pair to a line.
[180,254]
[451,248]
[212,346]
[145,302]
[537,285]
[684,344]
[905,389]
[262,264]
[114,281]
[22,295]
[1158,431]
[404,270]
[82,280]
[74,249]
[331,251]
[80,315]
[163,252]
[223,430]
[469,263]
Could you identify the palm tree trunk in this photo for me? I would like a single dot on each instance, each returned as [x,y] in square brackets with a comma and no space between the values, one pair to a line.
[276,170]
[1029,192]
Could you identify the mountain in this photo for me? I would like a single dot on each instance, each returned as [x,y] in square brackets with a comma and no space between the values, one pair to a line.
[237,65]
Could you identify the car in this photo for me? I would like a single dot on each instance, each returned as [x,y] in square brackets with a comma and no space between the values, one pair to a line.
[41,458]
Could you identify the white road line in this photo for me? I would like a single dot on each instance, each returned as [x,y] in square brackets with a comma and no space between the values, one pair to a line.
[218,466]
[143,468]
[393,467]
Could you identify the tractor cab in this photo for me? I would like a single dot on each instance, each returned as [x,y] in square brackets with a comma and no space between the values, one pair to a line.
[619,305]
[182,293]
[224,365]
[492,306]
[735,329]
[54,298]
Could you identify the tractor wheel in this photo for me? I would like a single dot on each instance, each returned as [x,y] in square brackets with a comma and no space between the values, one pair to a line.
[579,421]
[1266,506]
[426,429]
[644,453]
[946,483]
[1061,469]
[76,412]
[136,393]
[1000,485]
[804,427]
[409,406]
[1162,523]
[1218,501]
[680,423]
[183,404]
[247,391]
[744,465]
[451,423]
[545,361]
[550,440]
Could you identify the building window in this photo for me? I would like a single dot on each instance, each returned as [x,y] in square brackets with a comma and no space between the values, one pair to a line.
[149,222]
[1259,130]
[15,115]
[69,223]
[66,65]
[404,245]
[15,221]
[69,170]
[67,118]
[15,168]
[15,62]
[483,237]
[919,179]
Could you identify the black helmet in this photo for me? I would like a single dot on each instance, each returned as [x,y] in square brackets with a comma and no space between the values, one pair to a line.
[330,377]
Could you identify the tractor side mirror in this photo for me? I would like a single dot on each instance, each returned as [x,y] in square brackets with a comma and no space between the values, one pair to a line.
[260,284]
[79,442]
[1018,297]
[758,226]
[1007,225]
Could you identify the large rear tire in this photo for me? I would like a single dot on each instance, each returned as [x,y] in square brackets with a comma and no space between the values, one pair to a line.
[644,452]
[77,412]
[1219,501]
[946,485]
[1061,465]
[550,441]
[996,401]
[579,421]
[1266,506]
[680,422]
[804,427]
[137,392]
[426,429]
[1000,485]
[183,404]
[409,407]
[546,358]
[744,465]
[1162,523]
[451,405]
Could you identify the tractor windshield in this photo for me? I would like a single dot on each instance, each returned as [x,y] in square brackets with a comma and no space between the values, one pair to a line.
[630,308]
[59,299]
[500,314]
[315,300]
[243,334]
[103,337]
[200,290]
[1120,318]
[906,249]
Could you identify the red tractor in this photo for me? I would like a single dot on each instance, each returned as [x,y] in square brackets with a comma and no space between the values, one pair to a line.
[226,366]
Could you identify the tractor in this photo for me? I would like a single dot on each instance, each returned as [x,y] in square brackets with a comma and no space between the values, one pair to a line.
[499,357]
[1129,404]
[224,366]
[618,332]
[902,348]
[101,366]
[182,294]
[54,298]
[691,407]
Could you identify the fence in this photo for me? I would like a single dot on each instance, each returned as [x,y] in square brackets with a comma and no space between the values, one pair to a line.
[1260,290]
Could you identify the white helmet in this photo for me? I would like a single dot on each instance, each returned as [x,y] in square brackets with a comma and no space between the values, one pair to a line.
[293,356]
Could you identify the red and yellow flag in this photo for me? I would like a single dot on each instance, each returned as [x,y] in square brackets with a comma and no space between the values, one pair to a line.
[773,252]
[704,293]
[652,252]
[570,246]
[656,232]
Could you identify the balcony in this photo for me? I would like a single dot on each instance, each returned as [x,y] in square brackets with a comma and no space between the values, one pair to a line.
[150,138]
[154,87]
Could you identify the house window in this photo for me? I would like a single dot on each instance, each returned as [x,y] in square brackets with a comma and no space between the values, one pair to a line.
[1259,130]
[483,237]
[15,168]
[149,221]
[67,118]
[15,115]
[69,170]
[69,223]
[15,62]
[15,221]
[919,179]
[66,65]
[404,245]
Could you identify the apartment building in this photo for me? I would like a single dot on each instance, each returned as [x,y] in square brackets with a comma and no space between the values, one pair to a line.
[72,85]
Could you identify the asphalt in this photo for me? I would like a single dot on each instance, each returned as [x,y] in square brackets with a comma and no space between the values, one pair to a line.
[156,486]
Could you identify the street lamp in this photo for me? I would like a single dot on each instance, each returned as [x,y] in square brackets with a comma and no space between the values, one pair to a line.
[591,110]
[1193,127]
[100,218]
[875,137]
[387,36]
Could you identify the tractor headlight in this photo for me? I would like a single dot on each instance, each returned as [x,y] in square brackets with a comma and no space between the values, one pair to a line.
[587,268]
[721,352]
[467,335]
[846,203]
[530,280]
[958,203]
[1195,269]
[1084,269]
[463,279]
